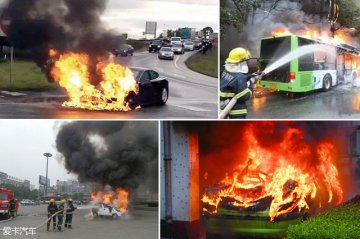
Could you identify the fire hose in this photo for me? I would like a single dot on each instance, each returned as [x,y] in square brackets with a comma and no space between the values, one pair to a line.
[224,113]
[52,216]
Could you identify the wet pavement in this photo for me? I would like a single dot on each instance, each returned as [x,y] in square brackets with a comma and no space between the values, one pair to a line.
[139,224]
[191,95]
[340,102]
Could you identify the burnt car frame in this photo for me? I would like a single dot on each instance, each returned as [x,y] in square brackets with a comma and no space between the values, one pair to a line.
[153,89]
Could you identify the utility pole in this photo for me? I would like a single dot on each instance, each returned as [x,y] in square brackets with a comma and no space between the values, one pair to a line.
[47,155]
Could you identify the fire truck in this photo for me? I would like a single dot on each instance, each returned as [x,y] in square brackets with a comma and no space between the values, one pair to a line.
[5,196]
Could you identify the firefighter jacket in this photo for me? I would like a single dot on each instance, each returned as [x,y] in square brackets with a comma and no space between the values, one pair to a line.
[52,208]
[61,209]
[236,85]
[12,205]
[70,208]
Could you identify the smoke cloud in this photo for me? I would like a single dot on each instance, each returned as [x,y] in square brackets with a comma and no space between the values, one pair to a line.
[66,25]
[119,154]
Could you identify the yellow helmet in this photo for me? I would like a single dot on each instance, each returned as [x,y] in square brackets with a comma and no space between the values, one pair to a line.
[52,200]
[62,201]
[70,200]
[238,54]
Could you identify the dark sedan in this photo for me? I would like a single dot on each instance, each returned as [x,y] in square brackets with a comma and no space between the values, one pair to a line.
[153,88]
[124,50]
[155,45]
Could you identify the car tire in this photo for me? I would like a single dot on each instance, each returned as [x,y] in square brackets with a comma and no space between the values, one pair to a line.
[327,82]
[164,96]
[114,216]
[131,99]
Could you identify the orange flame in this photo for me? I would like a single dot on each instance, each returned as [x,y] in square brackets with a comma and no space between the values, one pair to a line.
[279,174]
[71,70]
[315,34]
[120,198]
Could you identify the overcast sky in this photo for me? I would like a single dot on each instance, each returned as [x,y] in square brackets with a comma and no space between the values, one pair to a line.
[22,144]
[130,16]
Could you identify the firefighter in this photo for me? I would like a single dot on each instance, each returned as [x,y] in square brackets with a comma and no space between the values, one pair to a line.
[52,209]
[12,207]
[69,213]
[61,214]
[236,81]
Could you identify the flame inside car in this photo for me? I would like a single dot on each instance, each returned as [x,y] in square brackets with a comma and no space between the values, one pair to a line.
[73,72]
[119,198]
[288,177]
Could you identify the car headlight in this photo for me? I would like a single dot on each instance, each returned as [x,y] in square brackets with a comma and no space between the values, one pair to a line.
[159,46]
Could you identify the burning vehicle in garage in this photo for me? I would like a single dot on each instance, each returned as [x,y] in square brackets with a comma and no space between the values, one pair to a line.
[274,175]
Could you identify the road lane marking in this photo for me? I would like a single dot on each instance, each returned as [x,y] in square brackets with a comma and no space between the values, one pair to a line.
[192,108]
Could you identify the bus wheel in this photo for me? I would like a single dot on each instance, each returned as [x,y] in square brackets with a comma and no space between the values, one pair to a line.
[327,82]
[354,77]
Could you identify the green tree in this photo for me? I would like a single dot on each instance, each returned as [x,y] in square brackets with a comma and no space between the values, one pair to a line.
[234,13]
[207,29]
[350,14]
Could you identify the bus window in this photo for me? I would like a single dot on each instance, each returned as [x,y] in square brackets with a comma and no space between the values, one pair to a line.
[306,62]
[272,49]
[324,60]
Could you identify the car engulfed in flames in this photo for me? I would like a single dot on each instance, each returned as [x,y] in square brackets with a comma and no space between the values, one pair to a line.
[273,187]
[77,72]
[111,202]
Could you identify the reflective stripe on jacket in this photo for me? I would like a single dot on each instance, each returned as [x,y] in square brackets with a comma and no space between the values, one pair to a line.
[235,85]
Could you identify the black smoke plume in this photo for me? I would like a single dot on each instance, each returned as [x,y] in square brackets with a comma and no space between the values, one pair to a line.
[66,25]
[119,154]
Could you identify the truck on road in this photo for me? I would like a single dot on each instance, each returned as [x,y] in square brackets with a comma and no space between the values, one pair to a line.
[6,195]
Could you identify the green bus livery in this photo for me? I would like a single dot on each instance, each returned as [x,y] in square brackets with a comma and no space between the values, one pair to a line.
[318,70]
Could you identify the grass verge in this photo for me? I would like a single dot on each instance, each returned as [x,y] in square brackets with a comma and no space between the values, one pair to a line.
[340,222]
[26,76]
[205,64]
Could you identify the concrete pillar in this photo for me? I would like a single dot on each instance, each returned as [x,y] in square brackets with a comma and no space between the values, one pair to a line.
[184,185]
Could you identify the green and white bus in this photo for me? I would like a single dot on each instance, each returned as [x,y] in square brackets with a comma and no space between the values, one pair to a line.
[318,70]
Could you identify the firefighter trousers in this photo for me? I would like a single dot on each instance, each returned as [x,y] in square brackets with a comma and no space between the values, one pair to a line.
[60,222]
[68,220]
[49,221]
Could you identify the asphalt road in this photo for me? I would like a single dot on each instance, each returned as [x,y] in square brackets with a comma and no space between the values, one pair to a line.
[192,95]
[340,102]
[139,224]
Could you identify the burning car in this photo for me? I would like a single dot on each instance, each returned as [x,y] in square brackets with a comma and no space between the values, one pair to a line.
[106,210]
[153,88]
[272,188]
[116,87]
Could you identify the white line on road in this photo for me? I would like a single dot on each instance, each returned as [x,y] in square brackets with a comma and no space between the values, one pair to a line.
[192,108]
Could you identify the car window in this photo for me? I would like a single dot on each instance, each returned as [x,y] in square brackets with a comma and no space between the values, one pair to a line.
[153,75]
[145,77]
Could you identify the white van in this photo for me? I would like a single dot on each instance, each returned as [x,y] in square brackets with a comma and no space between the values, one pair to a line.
[175,40]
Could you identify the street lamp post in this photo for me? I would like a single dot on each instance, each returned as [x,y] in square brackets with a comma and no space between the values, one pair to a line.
[47,155]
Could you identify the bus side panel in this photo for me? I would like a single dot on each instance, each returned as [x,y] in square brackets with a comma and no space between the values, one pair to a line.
[319,75]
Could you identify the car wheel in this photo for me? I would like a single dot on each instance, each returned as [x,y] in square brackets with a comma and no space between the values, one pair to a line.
[327,82]
[131,100]
[164,96]
[114,216]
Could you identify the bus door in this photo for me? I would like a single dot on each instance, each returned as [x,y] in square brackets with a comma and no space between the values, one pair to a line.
[340,66]
[348,74]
